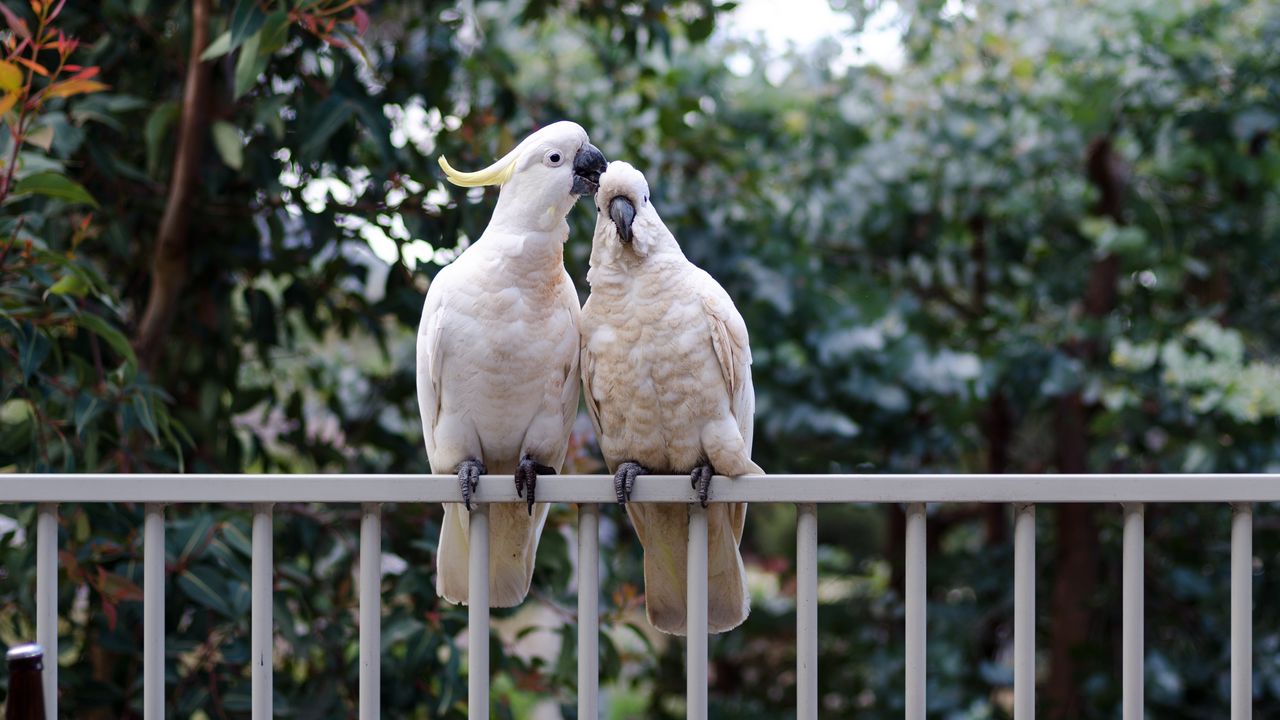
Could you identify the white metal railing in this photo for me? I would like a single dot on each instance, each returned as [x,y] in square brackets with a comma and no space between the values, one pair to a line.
[1023,492]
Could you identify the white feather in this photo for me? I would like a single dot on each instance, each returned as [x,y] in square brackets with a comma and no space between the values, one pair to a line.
[666,368]
[498,362]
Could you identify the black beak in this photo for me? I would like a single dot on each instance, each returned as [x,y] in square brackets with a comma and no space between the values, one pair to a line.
[588,164]
[623,214]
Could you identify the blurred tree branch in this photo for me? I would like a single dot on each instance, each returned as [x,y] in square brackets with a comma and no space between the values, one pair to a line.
[169,258]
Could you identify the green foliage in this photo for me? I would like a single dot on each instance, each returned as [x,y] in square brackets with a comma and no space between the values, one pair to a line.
[917,253]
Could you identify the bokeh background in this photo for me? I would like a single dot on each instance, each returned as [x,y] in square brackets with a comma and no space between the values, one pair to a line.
[1000,236]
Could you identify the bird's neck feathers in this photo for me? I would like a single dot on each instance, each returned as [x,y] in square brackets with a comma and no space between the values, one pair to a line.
[530,239]
[652,245]
[525,208]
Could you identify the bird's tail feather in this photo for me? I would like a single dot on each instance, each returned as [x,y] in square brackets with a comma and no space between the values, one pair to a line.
[513,543]
[664,532]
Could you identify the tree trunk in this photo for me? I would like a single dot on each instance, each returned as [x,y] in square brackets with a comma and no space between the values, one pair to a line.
[1076,577]
[169,262]
[1076,547]
[999,432]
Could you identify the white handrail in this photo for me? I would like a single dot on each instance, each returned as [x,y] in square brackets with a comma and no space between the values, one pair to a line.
[1022,491]
[1132,614]
[806,611]
[588,610]
[153,612]
[1024,611]
[261,630]
[370,611]
[915,596]
[478,613]
[359,488]
[1242,611]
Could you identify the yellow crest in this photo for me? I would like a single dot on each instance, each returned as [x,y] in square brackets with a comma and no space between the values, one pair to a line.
[496,174]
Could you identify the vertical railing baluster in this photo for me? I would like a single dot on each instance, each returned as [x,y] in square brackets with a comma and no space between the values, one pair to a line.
[1132,620]
[153,657]
[1242,611]
[588,611]
[915,591]
[260,631]
[478,614]
[696,623]
[807,611]
[47,600]
[370,611]
[1024,611]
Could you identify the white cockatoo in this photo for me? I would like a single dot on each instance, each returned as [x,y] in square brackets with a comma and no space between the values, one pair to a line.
[667,375]
[498,354]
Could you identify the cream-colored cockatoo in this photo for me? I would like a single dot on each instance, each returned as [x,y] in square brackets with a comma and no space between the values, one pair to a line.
[498,354]
[666,370]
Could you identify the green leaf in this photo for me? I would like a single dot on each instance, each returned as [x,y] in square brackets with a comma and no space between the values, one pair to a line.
[146,415]
[41,138]
[331,114]
[267,113]
[220,46]
[192,537]
[17,425]
[114,337]
[33,350]
[249,65]
[226,139]
[69,284]
[239,599]
[158,122]
[246,21]
[205,587]
[88,408]
[54,185]
[10,76]
[275,33]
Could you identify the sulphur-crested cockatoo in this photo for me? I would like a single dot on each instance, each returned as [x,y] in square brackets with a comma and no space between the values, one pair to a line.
[498,354]
[667,375]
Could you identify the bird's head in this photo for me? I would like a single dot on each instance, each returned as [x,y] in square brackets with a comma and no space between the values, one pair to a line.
[545,173]
[622,195]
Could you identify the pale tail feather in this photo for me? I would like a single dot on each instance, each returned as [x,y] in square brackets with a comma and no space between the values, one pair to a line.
[513,543]
[664,531]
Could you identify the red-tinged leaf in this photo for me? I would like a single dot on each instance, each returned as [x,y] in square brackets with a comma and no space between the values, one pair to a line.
[67,88]
[16,24]
[36,6]
[67,560]
[81,73]
[361,21]
[109,610]
[116,588]
[34,67]
[57,8]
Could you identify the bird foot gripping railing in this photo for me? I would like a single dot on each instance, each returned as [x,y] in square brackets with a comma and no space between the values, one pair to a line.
[589,491]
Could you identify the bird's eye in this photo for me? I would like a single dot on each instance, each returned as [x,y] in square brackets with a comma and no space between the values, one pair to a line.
[553,158]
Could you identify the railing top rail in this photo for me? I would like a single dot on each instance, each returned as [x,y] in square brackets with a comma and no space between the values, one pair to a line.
[355,488]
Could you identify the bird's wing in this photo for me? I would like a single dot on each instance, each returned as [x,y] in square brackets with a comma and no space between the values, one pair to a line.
[571,389]
[430,365]
[588,361]
[733,352]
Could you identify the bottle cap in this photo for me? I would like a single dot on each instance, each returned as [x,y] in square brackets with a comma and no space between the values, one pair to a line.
[24,652]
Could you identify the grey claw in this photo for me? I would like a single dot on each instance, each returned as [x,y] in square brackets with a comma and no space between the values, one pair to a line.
[700,480]
[469,472]
[625,479]
[527,478]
